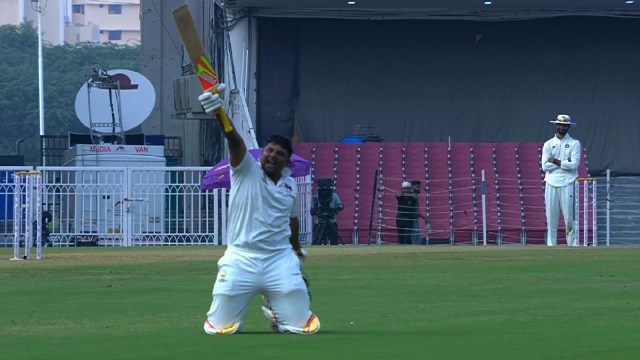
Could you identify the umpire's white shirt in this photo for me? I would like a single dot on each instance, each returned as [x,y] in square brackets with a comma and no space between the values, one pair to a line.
[563,150]
[259,210]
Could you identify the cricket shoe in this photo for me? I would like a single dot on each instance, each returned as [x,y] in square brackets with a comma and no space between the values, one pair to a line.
[313,325]
[211,330]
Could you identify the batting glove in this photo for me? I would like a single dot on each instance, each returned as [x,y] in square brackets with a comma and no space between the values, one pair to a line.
[218,89]
[307,282]
[301,253]
[210,102]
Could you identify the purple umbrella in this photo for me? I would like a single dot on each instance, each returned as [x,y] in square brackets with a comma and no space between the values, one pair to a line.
[218,176]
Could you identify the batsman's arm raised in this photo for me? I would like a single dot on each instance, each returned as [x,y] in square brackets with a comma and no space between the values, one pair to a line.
[211,102]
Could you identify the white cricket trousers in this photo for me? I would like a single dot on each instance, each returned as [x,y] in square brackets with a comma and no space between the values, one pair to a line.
[558,199]
[243,274]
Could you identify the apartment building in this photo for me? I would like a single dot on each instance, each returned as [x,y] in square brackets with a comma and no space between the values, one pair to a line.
[75,21]
[110,21]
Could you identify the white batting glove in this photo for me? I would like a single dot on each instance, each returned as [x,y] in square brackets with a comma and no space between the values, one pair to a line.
[301,253]
[218,89]
[210,102]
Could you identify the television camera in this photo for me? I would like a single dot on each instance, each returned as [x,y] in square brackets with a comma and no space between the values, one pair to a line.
[325,213]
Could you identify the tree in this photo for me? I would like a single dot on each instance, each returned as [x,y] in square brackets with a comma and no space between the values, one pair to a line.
[65,70]
[19,86]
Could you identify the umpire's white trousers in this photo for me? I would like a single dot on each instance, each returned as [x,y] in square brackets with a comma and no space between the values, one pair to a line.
[558,199]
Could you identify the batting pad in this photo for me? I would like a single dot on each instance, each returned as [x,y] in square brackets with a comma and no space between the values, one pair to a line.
[312,326]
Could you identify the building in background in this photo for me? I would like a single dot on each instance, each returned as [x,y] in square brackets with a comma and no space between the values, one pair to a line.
[76,21]
[111,21]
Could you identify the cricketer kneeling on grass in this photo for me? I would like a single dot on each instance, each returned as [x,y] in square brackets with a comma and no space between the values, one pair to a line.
[263,229]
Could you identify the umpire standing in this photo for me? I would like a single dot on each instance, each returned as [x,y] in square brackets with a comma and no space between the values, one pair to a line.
[560,161]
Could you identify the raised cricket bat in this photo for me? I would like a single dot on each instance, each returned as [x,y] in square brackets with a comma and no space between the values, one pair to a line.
[201,65]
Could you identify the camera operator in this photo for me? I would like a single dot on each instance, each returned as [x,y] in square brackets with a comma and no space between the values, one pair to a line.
[325,207]
[407,213]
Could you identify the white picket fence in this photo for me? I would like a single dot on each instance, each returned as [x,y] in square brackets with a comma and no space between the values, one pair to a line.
[126,206]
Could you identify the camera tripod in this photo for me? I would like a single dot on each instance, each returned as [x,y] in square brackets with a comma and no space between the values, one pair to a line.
[325,229]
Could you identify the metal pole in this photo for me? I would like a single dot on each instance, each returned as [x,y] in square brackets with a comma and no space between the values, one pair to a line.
[608,202]
[38,193]
[594,208]
[28,215]
[373,204]
[576,214]
[484,211]
[40,82]
[585,210]
[17,214]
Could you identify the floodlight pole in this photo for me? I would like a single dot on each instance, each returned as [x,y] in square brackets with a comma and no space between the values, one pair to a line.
[38,9]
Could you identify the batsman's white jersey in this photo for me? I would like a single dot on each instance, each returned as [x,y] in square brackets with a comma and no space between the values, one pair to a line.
[259,210]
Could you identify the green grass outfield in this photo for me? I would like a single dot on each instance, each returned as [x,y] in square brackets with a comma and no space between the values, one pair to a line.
[391,302]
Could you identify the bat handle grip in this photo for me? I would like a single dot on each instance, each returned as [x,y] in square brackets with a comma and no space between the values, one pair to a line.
[224,119]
